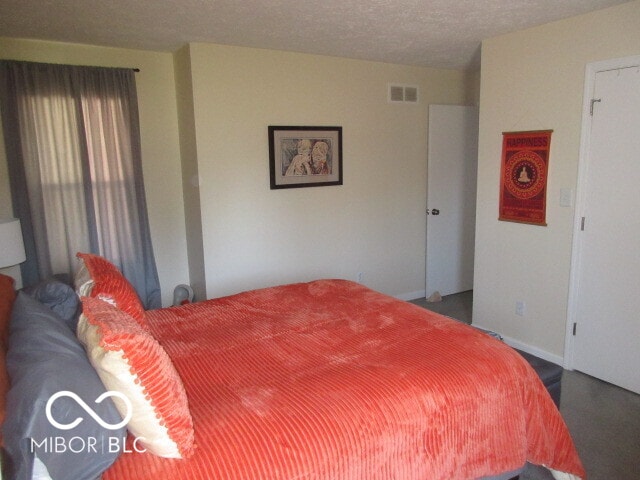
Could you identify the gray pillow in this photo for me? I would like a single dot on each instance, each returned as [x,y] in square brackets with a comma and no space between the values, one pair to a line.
[59,297]
[45,358]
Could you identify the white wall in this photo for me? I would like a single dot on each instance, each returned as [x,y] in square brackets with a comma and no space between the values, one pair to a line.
[374,223]
[532,80]
[159,138]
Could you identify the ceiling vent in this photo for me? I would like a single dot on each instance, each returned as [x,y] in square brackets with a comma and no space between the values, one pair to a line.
[403,94]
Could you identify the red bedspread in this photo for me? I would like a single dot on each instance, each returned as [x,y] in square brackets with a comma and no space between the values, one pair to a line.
[330,380]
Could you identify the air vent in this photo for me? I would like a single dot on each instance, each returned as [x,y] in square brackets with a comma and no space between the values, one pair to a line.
[411,94]
[396,94]
[403,94]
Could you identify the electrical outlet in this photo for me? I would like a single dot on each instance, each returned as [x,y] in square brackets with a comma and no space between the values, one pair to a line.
[521,308]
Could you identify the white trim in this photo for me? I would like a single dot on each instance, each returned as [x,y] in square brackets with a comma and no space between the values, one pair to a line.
[583,165]
[525,347]
[411,295]
[535,351]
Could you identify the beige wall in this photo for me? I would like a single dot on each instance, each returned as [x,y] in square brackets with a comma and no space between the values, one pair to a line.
[533,80]
[6,209]
[374,223]
[159,137]
[190,182]
[215,138]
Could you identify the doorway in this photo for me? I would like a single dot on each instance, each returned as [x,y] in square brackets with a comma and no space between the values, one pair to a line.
[451,198]
[603,322]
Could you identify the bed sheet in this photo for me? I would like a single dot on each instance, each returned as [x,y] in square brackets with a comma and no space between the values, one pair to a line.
[332,380]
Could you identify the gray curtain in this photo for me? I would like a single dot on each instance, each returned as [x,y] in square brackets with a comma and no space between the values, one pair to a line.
[73,151]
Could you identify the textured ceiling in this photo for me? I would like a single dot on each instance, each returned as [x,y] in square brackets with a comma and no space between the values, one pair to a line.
[435,33]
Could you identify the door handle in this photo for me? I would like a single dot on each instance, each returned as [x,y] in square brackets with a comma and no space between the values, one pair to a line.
[435,211]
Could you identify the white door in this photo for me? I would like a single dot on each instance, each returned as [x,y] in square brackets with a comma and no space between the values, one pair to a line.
[606,343]
[451,198]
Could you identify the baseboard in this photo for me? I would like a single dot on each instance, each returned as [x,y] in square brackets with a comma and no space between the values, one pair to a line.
[538,352]
[411,295]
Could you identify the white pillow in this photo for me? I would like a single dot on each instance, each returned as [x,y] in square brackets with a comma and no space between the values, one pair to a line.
[130,361]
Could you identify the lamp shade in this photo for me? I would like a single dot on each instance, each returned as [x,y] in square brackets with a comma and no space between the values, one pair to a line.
[11,245]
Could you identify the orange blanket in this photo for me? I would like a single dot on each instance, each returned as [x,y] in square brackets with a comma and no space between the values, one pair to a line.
[331,380]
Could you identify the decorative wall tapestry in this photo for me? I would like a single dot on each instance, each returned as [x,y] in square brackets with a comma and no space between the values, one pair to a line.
[523,178]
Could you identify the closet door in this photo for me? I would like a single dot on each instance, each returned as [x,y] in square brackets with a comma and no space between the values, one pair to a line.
[607,323]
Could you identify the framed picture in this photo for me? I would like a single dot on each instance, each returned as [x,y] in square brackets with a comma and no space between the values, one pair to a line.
[523,178]
[305,156]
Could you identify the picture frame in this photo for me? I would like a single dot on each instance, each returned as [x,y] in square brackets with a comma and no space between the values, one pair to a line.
[305,156]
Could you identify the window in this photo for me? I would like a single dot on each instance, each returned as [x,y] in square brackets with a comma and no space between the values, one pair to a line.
[73,152]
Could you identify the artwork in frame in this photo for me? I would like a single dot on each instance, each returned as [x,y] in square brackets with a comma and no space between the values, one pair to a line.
[305,156]
[523,178]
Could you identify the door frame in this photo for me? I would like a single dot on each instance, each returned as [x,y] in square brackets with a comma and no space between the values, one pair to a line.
[591,70]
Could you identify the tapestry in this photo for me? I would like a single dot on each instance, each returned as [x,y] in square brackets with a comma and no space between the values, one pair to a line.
[523,178]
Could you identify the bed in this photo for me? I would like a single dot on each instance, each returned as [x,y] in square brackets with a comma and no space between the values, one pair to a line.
[319,380]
